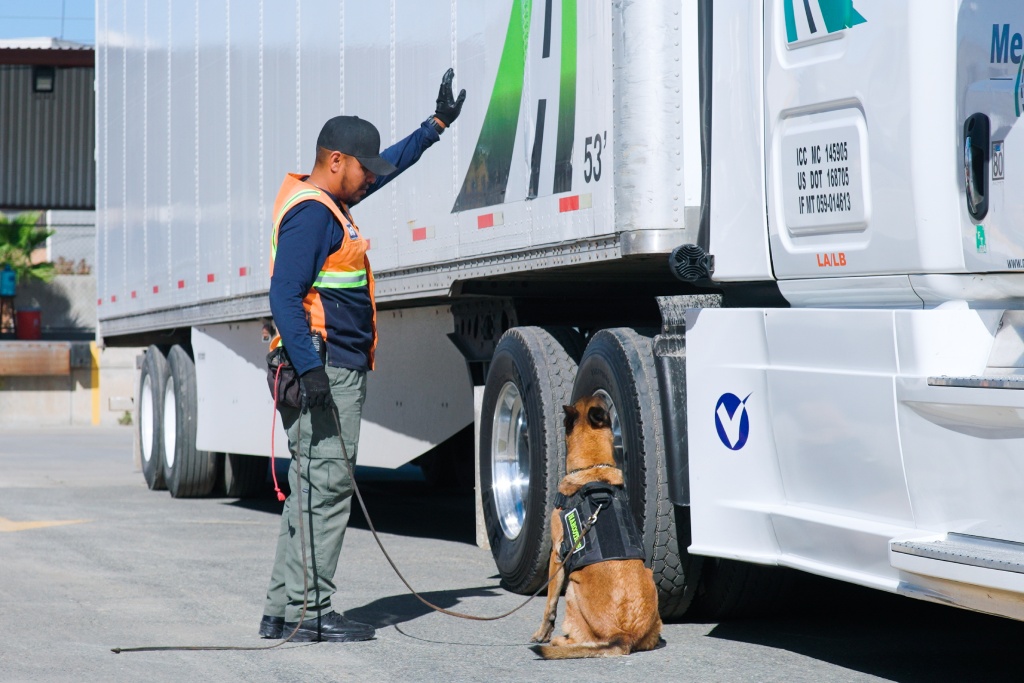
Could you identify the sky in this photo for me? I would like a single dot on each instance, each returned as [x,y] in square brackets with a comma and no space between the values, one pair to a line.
[67,19]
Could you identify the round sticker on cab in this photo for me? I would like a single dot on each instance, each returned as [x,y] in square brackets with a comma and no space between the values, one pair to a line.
[732,421]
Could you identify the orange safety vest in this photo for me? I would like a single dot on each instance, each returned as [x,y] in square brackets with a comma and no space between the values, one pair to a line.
[347,268]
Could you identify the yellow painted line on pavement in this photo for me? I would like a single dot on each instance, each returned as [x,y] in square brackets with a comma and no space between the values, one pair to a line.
[8,525]
[94,382]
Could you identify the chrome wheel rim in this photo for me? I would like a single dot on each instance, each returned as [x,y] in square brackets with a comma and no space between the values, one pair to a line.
[146,419]
[510,460]
[613,415]
[170,423]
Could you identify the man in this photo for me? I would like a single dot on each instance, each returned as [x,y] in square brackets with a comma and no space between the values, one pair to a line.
[321,283]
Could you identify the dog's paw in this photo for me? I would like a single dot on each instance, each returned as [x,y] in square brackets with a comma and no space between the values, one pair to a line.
[542,635]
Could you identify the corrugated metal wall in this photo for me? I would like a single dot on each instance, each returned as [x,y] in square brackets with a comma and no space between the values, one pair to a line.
[47,141]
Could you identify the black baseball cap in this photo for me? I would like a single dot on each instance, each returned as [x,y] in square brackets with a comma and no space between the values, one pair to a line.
[357,138]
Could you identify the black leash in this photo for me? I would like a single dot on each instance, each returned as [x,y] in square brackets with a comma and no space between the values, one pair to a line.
[369,522]
[359,496]
[302,545]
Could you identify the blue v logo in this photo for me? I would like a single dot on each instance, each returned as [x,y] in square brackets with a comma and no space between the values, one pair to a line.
[732,421]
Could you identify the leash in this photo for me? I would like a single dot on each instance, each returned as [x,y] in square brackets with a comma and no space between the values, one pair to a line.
[369,522]
[302,545]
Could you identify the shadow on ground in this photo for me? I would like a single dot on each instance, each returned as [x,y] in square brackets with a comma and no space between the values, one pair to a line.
[886,635]
[400,502]
[872,632]
[396,609]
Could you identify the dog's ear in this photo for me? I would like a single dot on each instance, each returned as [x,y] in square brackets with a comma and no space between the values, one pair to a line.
[599,418]
[571,415]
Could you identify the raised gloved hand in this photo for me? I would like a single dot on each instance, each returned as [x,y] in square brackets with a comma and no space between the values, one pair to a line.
[448,108]
[315,389]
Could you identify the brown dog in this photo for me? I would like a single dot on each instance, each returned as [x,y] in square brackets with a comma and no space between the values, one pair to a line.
[611,608]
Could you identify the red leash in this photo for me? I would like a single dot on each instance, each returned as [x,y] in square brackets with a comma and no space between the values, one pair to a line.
[273,431]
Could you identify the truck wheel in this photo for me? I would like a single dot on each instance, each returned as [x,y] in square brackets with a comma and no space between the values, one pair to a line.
[522,450]
[619,366]
[150,417]
[188,472]
[245,476]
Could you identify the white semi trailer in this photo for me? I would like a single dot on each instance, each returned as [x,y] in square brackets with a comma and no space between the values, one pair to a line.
[779,236]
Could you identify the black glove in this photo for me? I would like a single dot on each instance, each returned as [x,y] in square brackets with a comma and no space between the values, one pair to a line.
[448,108]
[315,389]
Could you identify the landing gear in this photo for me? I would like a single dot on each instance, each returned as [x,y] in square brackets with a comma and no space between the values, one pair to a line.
[245,476]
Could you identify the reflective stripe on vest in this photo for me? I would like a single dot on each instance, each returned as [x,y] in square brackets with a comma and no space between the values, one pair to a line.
[340,280]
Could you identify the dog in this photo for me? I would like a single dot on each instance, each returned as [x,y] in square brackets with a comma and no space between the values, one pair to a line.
[611,607]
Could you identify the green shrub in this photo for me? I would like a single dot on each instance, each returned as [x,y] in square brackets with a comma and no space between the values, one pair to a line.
[19,237]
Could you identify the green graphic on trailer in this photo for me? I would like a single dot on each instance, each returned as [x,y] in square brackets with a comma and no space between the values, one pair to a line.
[486,179]
[567,100]
[836,15]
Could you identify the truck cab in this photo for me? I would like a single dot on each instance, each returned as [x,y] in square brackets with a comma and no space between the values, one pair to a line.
[871,429]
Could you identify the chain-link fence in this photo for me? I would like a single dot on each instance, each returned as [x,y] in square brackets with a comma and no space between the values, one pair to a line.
[72,249]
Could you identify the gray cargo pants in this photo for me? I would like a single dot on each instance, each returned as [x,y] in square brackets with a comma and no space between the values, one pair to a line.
[326,499]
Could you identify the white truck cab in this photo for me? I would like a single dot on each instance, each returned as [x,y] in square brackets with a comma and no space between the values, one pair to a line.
[872,430]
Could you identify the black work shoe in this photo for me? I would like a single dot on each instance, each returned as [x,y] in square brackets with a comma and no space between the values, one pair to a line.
[271,627]
[334,628]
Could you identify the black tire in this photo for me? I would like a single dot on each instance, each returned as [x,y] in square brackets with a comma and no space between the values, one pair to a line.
[150,417]
[571,341]
[245,476]
[188,472]
[535,363]
[620,363]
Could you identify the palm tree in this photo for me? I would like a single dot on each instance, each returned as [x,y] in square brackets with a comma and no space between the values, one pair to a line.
[19,237]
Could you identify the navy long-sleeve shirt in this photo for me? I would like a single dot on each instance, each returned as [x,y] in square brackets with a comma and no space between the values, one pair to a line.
[308,234]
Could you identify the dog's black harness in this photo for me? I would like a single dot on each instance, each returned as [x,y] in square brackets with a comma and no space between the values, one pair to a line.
[613,535]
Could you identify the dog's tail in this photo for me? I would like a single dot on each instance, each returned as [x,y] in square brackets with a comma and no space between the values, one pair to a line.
[616,647]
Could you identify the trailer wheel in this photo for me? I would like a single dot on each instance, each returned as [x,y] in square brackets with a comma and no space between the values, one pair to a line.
[619,366]
[152,380]
[522,449]
[245,476]
[188,472]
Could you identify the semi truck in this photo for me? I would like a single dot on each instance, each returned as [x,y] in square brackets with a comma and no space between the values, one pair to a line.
[776,236]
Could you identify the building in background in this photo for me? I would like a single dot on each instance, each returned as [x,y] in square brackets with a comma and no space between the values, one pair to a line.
[47,164]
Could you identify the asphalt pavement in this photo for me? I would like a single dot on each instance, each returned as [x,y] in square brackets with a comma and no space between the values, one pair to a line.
[91,560]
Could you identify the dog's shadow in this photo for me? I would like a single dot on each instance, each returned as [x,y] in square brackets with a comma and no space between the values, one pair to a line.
[397,609]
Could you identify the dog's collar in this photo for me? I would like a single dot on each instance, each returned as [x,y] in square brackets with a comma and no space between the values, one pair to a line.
[591,467]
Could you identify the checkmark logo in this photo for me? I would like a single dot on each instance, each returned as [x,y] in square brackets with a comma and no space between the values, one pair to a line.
[730,424]
[732,421]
